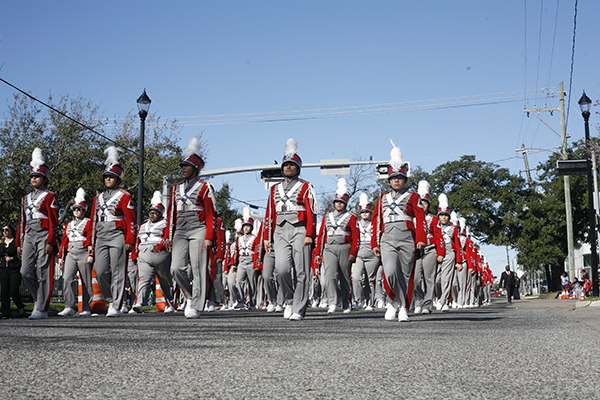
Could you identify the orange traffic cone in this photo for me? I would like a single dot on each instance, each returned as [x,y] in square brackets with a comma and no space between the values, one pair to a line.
[98,302]
[582,297]
[161,304]
[79,294]
[574,296]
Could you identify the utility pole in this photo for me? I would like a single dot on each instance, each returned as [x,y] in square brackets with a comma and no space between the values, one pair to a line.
[523,151]
[568,207]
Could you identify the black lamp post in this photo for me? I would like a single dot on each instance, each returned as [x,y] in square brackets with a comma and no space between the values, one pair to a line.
[585,104]
[143,103]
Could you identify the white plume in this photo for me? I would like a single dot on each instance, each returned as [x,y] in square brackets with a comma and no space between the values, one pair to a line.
[423,188]
[112,154]
[363,200]
[37,158]
[468,231]
[193,147]
[156,198]
[246,213]
[227,236]
[291,145]
[442,201]
[238,225]
[463,223]
[80,195]
[342,187]
[396,156]
[453,217]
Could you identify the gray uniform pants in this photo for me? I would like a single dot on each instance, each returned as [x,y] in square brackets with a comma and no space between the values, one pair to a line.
[151,266]
[37,267]
[364,274]
[246,281]
[269,278]
[444,279]
[337,265]
[111,266]
[188,244]
[380,293]
[132,276]
[292,264]
[234,294]
[424,280]
[76,260]
[462,285]
[398,260]
[217,294]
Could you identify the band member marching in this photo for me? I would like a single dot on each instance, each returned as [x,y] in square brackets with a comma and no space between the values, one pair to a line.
[153,260]
[73,257]
[112,234]
[338,246]
[452,259]
[291,223]
[191,230]
[37,236]
[429,257]
[244,252]
[398,231]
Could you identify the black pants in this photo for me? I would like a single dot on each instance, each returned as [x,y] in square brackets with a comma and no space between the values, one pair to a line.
[510,289]
[10,280]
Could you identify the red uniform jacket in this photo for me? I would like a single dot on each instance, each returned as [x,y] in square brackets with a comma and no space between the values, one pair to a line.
[413,209]
[64,243]
[438,239]
[48,208]
[352,237]
[308,215]
[127,225]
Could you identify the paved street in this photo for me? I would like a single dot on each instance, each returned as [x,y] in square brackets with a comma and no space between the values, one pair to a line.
[532,349]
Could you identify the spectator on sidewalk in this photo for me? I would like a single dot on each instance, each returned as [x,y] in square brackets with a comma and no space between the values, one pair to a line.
[508,278]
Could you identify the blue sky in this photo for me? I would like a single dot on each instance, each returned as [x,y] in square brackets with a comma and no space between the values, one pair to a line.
[209,61]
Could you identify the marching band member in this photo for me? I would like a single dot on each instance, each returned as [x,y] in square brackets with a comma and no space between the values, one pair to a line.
[366,263]
[112,234]
[338,246]
[454,287]
[153,260]
[36,237]
[398,228]
[191,230]
[217,294]
[235,299]
[290,221]
[244,252]
[430,256]
[452,258]
[72,257]
[463,273]
[268,270]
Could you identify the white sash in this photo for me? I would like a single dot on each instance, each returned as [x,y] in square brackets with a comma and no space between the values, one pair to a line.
[182,203]
[73,231]
[32,207]
[104,215]
[284,203]
[393,213]
[337,229]
[149,229]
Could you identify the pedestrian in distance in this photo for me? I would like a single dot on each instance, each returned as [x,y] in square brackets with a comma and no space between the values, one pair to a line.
[508,279]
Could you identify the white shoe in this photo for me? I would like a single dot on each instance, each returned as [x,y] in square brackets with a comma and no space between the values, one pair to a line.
[369,308]
[112,312]
[38,315]
[418,310]
[475,305]
[454,305]
[346,311]
[124,309]
[238,306]
[426,311]
[169,310]
[287,313]
[445,308]
[224,307]
[392,310]
[85,314]
[357,305]
[278,308]
[323,304]
[211,308]
[181,306]
[296,317]
[67,312]
[271,307]
[191,313]
[333,308]
[459,306]
[403,315]
[438,306]
[137,309]
[380,304]
[131,312]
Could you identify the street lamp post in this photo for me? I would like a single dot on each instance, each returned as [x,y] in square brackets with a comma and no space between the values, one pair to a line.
[143,103]
[585,104]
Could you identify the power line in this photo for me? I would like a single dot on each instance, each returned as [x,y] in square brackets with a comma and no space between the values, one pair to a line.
[572,62]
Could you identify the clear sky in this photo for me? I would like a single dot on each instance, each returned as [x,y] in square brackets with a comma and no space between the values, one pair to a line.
[441,78]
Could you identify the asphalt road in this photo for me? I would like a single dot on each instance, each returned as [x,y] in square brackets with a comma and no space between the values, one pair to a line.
[531,349]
